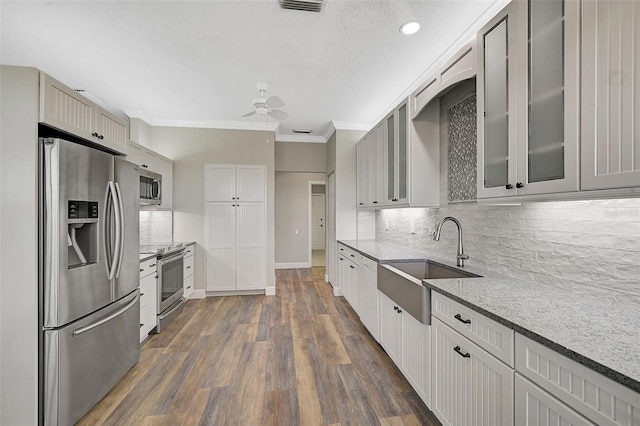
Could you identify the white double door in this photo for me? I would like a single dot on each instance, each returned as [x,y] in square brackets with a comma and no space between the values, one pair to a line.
[235,215]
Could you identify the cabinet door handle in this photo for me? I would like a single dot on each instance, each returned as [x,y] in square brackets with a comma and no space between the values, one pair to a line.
[375,202]
[141,325]
[189,287]
[459,318]
[141,294]
[188,267]
[152,265]
[141,270]
[361,204]
[395,308]
[508,186]
[457,349]
[352,255]
[352,267]
[519,184]
[100,136]
[394,199]
[94,134]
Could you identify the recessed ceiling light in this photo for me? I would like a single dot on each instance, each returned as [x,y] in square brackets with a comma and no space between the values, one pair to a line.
[410,28]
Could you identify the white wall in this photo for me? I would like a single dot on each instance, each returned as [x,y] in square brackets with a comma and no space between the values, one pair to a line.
[301,157]
[191,149]
[19,92]
[583,246]
[292,218]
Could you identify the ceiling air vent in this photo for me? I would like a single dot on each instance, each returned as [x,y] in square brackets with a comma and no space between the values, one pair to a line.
[305,131]
[304,5]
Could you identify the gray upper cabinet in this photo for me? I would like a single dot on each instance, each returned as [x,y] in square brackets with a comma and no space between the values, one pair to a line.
[459,67]
[610,100]
[398,160]
[528,91]
[65,109]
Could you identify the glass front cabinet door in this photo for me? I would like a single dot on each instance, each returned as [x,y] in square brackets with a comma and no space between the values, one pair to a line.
[528,100]
[397,134]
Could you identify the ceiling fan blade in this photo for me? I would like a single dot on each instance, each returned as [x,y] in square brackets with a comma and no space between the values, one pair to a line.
[249,114]
[278,115]
[275,102]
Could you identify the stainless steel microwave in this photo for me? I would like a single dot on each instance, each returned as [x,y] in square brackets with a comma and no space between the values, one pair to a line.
[150,188]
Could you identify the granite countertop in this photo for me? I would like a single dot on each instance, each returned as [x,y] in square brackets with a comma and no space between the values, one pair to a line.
[592,331]
[146,256]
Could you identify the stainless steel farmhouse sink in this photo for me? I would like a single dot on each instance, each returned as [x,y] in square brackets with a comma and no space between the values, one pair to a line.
[402,283]
[425,270]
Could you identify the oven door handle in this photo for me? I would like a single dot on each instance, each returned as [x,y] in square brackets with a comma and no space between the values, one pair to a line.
[172,258]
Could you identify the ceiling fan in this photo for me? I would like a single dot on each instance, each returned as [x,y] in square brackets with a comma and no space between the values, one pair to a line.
[266,106]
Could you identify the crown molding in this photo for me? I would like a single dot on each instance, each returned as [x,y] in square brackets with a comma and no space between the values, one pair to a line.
[202,124]
[352,125]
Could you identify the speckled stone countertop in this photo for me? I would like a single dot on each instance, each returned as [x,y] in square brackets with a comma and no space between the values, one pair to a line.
[591,331]
[146,256]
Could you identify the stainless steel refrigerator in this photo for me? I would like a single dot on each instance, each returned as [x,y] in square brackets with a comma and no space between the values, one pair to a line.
[88,277]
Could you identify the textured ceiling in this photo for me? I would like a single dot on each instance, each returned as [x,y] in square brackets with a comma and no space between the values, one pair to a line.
[197,62]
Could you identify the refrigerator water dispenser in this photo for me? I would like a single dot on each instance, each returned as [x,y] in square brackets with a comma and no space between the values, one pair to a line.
[82,233]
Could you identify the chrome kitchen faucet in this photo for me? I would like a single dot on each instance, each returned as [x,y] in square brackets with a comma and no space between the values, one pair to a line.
[436,236]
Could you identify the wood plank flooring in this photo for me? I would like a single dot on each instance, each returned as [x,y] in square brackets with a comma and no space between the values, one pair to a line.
[299,358]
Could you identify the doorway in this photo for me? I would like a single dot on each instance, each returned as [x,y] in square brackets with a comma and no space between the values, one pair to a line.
[317,223]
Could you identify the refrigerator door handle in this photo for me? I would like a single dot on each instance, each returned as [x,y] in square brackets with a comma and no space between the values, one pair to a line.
[119,312]
[112,209]
[119,232]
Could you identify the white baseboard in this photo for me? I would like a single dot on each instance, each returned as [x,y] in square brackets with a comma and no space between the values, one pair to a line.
[326,278]
[235,293]
[270,291]
[337,291]
[198,294]
[293,265]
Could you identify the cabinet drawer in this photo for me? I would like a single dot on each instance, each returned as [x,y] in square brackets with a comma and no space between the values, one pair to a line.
[535,407]
[147,267]
[187,267]
[191,248]
[350,254]
[188,286]
[493,337]
[144,327]
[593,395]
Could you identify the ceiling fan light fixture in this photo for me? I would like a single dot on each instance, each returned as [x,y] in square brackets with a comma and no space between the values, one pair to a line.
[409,28]
[262,110]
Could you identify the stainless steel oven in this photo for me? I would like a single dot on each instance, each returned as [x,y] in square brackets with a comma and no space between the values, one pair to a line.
[170,286]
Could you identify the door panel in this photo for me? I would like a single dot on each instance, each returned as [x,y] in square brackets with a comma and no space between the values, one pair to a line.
[72,289]
[220,182]
[80,369]
[317,222]
[221,268]
[250,183]
[127,175]
[250,224]
[251,268]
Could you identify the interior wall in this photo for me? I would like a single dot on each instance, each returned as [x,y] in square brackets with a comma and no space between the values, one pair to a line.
[19,97]
[345,168]
[292,218]
[588,247]
[191,149]
[301,157]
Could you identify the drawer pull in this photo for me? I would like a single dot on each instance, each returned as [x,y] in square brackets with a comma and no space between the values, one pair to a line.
[188,267]
[141,270]
[141,325]
[141,294]
[152,265]
[352,267]
[352,255]
[459,318]
[457,349]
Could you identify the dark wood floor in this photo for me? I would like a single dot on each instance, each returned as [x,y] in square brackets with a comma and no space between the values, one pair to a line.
[299,358]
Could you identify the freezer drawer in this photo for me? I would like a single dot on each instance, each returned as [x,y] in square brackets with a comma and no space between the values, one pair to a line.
[86,358]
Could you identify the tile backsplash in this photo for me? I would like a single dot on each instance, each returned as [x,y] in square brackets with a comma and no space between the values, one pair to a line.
[582,246]
[156,227]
